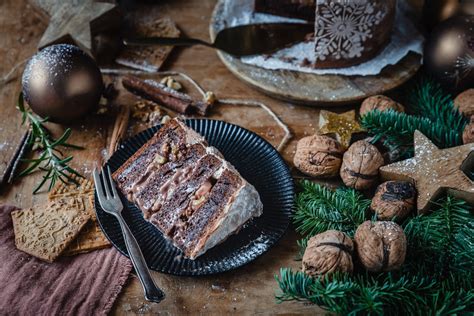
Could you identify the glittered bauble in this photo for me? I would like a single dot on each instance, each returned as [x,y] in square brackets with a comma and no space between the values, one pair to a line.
[436,11]
[62,82]
[449,53]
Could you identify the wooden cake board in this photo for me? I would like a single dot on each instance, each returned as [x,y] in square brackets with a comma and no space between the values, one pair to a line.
[311,89]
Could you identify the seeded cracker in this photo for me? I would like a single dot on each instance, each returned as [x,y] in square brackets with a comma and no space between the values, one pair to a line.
[46,233]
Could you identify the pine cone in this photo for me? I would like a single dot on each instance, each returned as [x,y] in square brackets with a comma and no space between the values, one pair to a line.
[328,252]
[393,199]
[381,246]
[360,165]
[318,156]
[380,103]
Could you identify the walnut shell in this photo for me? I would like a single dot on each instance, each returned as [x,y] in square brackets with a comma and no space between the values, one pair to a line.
[468,133]
[328,252]
[381,103]
[360,165]
[318,156]
[381,246]
[465,102]
[394,199]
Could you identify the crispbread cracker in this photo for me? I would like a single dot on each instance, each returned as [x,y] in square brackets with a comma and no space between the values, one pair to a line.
[46,232]
[91,237]
[148,58]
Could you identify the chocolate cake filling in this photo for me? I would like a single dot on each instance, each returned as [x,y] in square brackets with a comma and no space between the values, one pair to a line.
[149,195]
[188,234]
[180,198]
[170,136]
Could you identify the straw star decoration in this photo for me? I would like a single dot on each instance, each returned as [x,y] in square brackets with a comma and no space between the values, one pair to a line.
[341,125]
[435,171]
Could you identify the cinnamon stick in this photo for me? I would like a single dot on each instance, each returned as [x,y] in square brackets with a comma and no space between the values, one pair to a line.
[159,93]
[120,128]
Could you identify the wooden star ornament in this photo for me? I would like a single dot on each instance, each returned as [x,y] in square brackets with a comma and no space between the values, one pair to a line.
[341,125]
[435,171]
[75,19]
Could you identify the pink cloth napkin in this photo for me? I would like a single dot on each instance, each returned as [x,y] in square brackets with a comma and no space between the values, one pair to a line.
[86,284]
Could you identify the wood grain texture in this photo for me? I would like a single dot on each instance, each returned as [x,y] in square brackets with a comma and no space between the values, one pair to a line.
[248,290]
[316,90]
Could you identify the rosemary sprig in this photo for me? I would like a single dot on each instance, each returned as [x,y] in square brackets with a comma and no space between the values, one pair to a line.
[50,160]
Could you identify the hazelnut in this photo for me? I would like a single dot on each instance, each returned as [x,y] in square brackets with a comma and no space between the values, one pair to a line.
[468,133]
[394,199]
[380,103]
[210,97]
[360,165]
[465,102]
[381,246]
[328,252]
[170,82]
[318,156]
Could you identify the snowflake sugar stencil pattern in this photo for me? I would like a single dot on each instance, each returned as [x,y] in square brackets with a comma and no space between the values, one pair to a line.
[342,27]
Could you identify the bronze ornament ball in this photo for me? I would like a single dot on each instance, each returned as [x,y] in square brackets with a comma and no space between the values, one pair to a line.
[62,83]
[449,53]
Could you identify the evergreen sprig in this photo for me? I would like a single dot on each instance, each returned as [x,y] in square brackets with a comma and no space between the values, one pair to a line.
[429,100]
[443,240]
[383,294]
[396,130]
[319,208]
[432,112]
[436,279]
[50,159]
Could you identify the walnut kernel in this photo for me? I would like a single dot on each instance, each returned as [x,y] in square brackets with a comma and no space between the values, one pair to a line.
[380,246]
[318,156]
[394,199]
[328,252]
[360,165]
[380,103]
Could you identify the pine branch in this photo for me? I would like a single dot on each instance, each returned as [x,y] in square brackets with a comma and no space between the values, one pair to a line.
[385,293]
[396,130]
[50,160]
[433,113]
[442,240]
[429,100]
[363,294]
[319,209]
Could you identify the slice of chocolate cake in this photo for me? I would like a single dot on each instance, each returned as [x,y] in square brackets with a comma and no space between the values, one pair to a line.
[187,190]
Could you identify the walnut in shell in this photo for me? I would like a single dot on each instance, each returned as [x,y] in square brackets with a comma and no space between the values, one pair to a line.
[328,252]
[468,133]
[465,102]
[381,246]
[394,199]
[380,103]
[360,165]
[318,156]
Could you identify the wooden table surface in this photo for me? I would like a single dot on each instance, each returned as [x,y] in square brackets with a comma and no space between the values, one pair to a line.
[247,290]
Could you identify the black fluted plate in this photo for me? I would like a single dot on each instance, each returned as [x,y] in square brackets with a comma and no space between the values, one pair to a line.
[256,160]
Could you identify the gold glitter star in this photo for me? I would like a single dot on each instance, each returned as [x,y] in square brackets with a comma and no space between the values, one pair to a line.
[341,125]
[435,171]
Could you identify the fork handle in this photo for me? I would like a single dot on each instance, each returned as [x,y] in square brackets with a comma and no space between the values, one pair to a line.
[152,292]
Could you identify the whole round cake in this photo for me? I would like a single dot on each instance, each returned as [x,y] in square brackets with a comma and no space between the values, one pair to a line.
[347,32]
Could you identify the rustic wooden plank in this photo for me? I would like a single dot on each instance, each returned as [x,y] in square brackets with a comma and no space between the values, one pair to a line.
[248,290]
